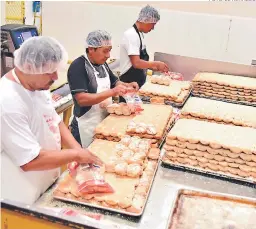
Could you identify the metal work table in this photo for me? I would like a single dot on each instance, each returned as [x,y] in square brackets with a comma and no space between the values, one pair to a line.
[158,208]
[167,181]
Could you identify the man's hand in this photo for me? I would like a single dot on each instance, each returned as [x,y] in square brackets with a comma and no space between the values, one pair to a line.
[119,90]
[134,85]
[160,66]
[87,157]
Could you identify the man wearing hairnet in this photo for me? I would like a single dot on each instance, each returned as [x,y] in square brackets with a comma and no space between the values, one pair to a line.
[93,85]
[134,59]
[31,130]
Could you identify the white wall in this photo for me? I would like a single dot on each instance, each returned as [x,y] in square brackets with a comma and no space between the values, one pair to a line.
[210,36]
[237,8]
[30,16]
[29,13]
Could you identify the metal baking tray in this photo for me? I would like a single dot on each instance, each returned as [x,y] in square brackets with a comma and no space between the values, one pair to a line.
[168,128]
[113,209]
[146,99]
[206,171]
[225,100]
[205,194]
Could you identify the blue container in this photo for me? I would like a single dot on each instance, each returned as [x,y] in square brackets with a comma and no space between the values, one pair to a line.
[36,6]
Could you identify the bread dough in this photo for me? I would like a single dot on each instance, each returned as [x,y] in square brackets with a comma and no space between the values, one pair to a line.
[154,153]
[215,134]
[134,170]
[121,168]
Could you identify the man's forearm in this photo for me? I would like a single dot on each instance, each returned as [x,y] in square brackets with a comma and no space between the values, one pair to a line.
[89,99]
[50,159]
[142,64]
[67,138]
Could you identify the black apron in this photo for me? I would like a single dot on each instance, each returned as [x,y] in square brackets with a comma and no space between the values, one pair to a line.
[134,74]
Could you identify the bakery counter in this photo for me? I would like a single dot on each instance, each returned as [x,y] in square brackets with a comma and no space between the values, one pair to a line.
[160,203]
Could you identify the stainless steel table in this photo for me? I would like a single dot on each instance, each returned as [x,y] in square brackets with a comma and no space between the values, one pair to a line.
[160,203]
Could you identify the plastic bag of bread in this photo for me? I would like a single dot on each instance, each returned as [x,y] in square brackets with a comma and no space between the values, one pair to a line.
[134,102]
[90,179]
[175,76]
[72,166]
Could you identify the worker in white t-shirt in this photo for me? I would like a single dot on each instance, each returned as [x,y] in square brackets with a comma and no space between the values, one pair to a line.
[31,130]
[134,59]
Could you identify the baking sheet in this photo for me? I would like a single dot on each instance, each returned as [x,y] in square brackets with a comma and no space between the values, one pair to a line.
[113,209]
[178,105]
[206,171]
[212,195]
[224,100]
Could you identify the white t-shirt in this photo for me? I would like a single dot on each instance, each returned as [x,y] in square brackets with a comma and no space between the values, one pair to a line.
[28,123]
[130,45]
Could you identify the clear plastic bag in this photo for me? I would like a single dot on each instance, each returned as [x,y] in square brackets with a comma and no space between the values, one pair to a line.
[90,179]
[175,76]
[134,102]
[72,168]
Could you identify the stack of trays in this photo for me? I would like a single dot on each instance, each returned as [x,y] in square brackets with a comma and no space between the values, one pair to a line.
[223,149]
[236,89]
[177,92]
[219,112]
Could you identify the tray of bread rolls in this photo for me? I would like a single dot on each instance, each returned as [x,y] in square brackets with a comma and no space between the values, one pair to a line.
[219,112]
[162,100]
[158,89]
[130,168]
[200,95]
[151,123]
[217,149]
[221,207]
[229,88]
